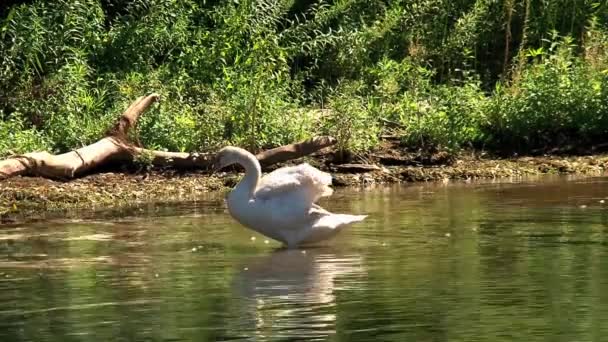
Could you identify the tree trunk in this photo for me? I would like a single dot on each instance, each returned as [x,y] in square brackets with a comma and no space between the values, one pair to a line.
[509,4]
[116,147]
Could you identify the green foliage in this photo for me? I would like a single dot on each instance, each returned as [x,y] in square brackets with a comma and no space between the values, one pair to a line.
[254,73]
[350,120]
[144,160]
[39,39]
[446,116]
[69,109]
[16,138]
[557,100]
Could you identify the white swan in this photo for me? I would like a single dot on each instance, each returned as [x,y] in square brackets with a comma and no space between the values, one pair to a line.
[281,205]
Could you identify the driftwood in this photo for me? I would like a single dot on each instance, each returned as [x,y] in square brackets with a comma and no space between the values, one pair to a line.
[294,151]
[117,147]
[113,147]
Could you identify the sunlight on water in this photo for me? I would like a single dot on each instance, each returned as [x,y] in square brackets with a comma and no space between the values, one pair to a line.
[469,262]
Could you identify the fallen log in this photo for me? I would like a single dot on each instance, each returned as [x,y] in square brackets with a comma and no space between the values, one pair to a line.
[185,160]
[68,165]
[294,151]
[117,147]
[64,166]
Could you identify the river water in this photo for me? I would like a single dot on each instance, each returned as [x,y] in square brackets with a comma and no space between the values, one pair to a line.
[525,261]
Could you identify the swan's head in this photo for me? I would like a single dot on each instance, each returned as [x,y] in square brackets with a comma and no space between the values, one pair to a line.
[227,156]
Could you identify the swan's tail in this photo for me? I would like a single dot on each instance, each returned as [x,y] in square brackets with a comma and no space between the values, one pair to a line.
[345,219]
[329,225]
[337,221]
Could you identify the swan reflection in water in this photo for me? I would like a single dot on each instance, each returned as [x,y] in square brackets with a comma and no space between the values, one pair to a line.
[291,293]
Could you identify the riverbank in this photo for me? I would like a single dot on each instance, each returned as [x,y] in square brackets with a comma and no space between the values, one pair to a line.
[28,198]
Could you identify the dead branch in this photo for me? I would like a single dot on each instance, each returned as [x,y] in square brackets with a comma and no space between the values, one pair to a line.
[178,160]
[129,118]
[294,151]
[184,160]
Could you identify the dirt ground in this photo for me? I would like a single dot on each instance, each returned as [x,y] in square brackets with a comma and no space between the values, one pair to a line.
[24,198]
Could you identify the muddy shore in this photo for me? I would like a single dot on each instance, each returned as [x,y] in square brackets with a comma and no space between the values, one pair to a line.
[26,198]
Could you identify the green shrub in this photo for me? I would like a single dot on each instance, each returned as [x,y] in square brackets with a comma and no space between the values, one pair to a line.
[16,138]
[444,117]
[432,116]
[68,108]
[350,120]
[558,100]
[180,121]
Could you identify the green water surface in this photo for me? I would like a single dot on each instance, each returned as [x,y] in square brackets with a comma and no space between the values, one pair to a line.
[524,261]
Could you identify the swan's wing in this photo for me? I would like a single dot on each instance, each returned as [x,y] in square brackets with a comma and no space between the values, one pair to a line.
[302,182]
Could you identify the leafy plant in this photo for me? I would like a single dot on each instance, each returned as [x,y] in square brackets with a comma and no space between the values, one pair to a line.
[350,120]
[558,100]
[143,161]
[16,138]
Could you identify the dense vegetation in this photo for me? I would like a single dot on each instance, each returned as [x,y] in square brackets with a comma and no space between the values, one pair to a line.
[508,75]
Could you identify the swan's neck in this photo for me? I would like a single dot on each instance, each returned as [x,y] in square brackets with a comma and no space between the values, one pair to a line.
[253,172]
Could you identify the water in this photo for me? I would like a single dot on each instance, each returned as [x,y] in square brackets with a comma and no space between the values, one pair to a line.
[464,262]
